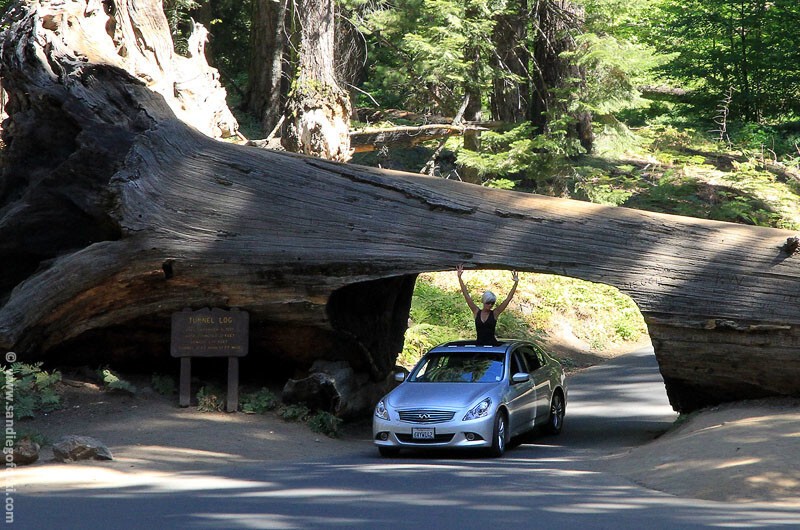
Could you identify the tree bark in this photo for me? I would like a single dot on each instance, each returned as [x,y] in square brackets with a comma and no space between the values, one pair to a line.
[318,110]
[511,96]
[114,213]
[350,55]
[555,20]
[473,107]
[267,40]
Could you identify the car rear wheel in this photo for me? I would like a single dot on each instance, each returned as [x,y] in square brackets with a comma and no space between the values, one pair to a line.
[499,436]
[556,420]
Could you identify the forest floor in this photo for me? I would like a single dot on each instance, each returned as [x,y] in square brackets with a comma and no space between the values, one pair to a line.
[737,452]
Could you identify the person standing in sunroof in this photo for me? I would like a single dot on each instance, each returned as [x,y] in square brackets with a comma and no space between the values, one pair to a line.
[486,316]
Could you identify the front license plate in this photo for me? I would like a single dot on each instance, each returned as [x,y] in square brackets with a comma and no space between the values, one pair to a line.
[427,433]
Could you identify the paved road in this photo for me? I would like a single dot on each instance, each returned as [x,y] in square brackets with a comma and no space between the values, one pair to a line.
[549,483]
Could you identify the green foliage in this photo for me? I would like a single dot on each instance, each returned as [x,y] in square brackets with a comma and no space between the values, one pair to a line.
[596,186]
[418,51]
[422,337]
[749,46]
[682,171]
[298,412]
[501,184]
[210,399]
[29,389]
[111,381]
[325,423]
[616,68]
[318,421]
[178,18]
[597,314]
[520,156]
[432,304]
[765,140]
[258,402]
[685,195]
[163,384]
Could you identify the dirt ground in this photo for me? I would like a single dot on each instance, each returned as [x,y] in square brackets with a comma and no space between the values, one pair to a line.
[150,436]
[737,452]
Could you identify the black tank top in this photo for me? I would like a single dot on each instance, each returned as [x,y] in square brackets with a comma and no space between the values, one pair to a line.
[485,330]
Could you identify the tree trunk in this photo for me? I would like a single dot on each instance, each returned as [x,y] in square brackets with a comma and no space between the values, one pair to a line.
[555,21]
[472,109]
[267,39]
[124,214]
[350,55]
[318,110]
[510,99]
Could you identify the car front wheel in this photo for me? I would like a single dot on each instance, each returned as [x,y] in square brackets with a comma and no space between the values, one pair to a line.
[499,436]
[556,421]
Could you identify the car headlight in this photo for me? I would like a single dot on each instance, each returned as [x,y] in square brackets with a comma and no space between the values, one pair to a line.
[478,411]
[381,411]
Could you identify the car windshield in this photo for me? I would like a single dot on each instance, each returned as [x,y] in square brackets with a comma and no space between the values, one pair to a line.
[459,367]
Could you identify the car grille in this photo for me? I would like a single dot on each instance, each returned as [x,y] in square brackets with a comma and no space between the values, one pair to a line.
[438,439]
[426,416]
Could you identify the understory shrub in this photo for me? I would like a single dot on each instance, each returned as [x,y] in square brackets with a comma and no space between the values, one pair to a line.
[112,381]
[163,384]
[209,399]
[325,423]
[27,390]
[258,402]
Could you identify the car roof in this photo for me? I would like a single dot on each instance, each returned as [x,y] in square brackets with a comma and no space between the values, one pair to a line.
[502,346]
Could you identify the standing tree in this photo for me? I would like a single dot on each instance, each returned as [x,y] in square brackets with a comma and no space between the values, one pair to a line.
[267,41]
[318,109]
[472,96]
[510,99]
[557,81]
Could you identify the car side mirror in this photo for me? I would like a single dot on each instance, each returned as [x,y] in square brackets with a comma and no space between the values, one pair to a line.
[399,377]
[520,377]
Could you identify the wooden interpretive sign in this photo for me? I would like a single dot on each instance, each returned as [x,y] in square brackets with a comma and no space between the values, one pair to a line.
[210,333]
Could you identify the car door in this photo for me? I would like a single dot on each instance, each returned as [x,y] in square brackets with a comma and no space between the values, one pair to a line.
[522,396]
[541,380]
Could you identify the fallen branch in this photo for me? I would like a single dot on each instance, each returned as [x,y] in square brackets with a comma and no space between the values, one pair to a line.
[373,138]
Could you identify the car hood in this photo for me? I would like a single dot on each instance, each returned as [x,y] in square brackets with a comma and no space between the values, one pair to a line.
[439,395]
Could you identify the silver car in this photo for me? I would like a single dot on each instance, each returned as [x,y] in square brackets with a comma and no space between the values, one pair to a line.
[461,395]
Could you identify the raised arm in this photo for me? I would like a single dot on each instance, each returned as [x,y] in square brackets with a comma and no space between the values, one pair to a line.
[467,297]
[502,307]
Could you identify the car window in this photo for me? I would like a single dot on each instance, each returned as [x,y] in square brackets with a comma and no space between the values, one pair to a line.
[534,358]
[459,367]
[518,364]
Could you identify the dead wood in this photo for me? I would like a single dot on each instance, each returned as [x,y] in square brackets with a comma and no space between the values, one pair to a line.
[374,138]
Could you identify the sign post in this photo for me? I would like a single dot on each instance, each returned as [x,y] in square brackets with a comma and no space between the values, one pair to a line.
[210,333]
